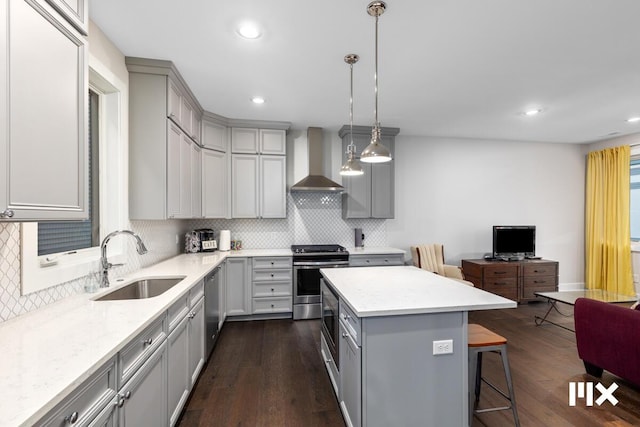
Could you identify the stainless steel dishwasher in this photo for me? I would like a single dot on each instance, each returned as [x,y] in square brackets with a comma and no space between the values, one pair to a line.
[211,308]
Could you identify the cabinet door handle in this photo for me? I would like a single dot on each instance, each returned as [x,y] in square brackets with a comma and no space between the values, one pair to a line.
[127,395]
[71,419]
[7,213]
[148,341]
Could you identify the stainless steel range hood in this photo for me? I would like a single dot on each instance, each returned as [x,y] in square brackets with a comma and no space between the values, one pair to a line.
[316,181]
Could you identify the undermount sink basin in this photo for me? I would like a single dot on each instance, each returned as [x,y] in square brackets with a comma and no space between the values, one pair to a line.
[142,288]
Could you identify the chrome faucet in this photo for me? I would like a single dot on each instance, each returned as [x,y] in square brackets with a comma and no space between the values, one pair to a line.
[106,265]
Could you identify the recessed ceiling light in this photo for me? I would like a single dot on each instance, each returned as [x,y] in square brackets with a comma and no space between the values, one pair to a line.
[257,100]
[533,112]
[633,119]
[249,30]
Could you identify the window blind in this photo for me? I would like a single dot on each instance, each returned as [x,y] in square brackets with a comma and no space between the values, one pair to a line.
[65,236]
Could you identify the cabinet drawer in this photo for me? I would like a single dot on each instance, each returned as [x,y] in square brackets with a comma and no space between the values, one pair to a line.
[351,321]
[495,271]
[196,293]
[272,275]
[87,401]
[177,311]
[506,287]
[375,260]
[540,281]
[271,262]
[528,292]
[138,350]
[272,289]
[272,305]
[540,269]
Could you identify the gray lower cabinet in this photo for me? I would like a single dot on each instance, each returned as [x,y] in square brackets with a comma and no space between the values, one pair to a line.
[44,96]
[144,397]
[350,378]
[90,403]
[196,341]
[376,260]
[238,287]
[178,370]
[371,195]
[185,349]
[272,281]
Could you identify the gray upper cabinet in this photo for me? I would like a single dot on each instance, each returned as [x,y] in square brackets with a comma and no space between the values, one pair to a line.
[371,195]
[74,11]
[164,158]
[43,114]
[215,179]
[214,134]
[258,173]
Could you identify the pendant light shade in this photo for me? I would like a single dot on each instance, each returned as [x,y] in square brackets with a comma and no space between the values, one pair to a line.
[352,166]
[375,151]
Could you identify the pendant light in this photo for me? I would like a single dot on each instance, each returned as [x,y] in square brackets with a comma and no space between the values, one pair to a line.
[352,166]
[375,151]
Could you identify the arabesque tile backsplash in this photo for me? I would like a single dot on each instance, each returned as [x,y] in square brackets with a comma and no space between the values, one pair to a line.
[311,218]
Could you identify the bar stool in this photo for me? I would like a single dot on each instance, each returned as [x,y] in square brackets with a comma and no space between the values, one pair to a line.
[480,340]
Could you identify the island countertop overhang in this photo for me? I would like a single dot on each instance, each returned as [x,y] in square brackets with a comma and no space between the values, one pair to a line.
[406,290]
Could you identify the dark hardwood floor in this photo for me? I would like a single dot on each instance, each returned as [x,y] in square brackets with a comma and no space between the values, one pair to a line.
[270,373]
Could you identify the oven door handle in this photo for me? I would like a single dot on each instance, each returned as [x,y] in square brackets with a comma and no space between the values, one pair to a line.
[316,264]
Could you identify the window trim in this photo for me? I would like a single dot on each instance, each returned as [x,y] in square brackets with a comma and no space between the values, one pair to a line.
[37,273]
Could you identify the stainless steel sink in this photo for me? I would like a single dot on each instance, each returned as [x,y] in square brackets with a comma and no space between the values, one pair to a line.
[142,288]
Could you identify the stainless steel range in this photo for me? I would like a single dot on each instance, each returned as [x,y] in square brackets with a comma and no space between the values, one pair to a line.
[307,262]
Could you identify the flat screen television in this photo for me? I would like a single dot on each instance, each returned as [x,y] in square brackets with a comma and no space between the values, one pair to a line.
[514,241]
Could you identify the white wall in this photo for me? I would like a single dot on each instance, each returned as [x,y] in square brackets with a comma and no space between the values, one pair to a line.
[454,190]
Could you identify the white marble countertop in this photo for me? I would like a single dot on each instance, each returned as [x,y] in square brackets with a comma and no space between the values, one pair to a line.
[374,250]
[402,290]
[48,352]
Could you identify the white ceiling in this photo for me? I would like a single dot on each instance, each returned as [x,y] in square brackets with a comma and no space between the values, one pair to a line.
[462,68]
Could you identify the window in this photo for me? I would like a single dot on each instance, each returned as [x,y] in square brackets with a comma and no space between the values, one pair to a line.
[108,192]
[635,199]
[67,236]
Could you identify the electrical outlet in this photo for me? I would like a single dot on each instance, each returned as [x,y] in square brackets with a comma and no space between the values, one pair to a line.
[442,347]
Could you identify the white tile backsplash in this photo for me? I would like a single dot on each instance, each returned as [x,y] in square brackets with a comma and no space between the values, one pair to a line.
[311,218]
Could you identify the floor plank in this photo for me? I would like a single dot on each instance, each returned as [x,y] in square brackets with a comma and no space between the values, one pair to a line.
[270,373]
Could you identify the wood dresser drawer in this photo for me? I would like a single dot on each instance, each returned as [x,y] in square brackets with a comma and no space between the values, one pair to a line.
[540,269]
[503,286]
[501,271]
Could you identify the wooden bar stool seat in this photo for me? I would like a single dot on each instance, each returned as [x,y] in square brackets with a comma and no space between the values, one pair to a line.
[480,340]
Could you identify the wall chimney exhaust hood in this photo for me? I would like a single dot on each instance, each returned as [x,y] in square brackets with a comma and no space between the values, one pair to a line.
[316,181]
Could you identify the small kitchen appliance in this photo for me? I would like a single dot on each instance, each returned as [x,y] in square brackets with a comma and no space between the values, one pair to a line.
[200,240]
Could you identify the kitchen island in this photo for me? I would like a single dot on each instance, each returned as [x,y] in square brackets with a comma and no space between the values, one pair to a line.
[392,321]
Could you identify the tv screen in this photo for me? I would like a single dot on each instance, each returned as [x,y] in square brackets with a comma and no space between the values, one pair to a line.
[514,240]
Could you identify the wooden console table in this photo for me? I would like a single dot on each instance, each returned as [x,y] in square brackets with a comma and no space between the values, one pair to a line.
[516,280]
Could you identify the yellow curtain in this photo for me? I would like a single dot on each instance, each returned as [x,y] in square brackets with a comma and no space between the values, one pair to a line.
[608,235]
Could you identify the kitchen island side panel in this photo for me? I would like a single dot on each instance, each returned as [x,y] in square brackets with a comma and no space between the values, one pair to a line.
[404,384]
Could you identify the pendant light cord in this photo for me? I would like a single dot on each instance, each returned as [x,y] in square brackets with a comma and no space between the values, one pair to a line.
[375,78]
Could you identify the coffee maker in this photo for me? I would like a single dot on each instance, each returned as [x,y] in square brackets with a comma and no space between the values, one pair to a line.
[200,240]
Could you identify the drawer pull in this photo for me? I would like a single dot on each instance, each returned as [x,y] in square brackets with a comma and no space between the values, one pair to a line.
[272,305]
[148,341]
[7,213]
[271,274]
[346,316]
[71,419]
[127,395]
[345,335]
[500,283]
[191,315]
[271,262]
[499,272]
[271,289]
[539,281]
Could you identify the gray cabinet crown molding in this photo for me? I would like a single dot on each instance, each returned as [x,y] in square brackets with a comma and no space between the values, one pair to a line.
[163,68]
[366,130]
